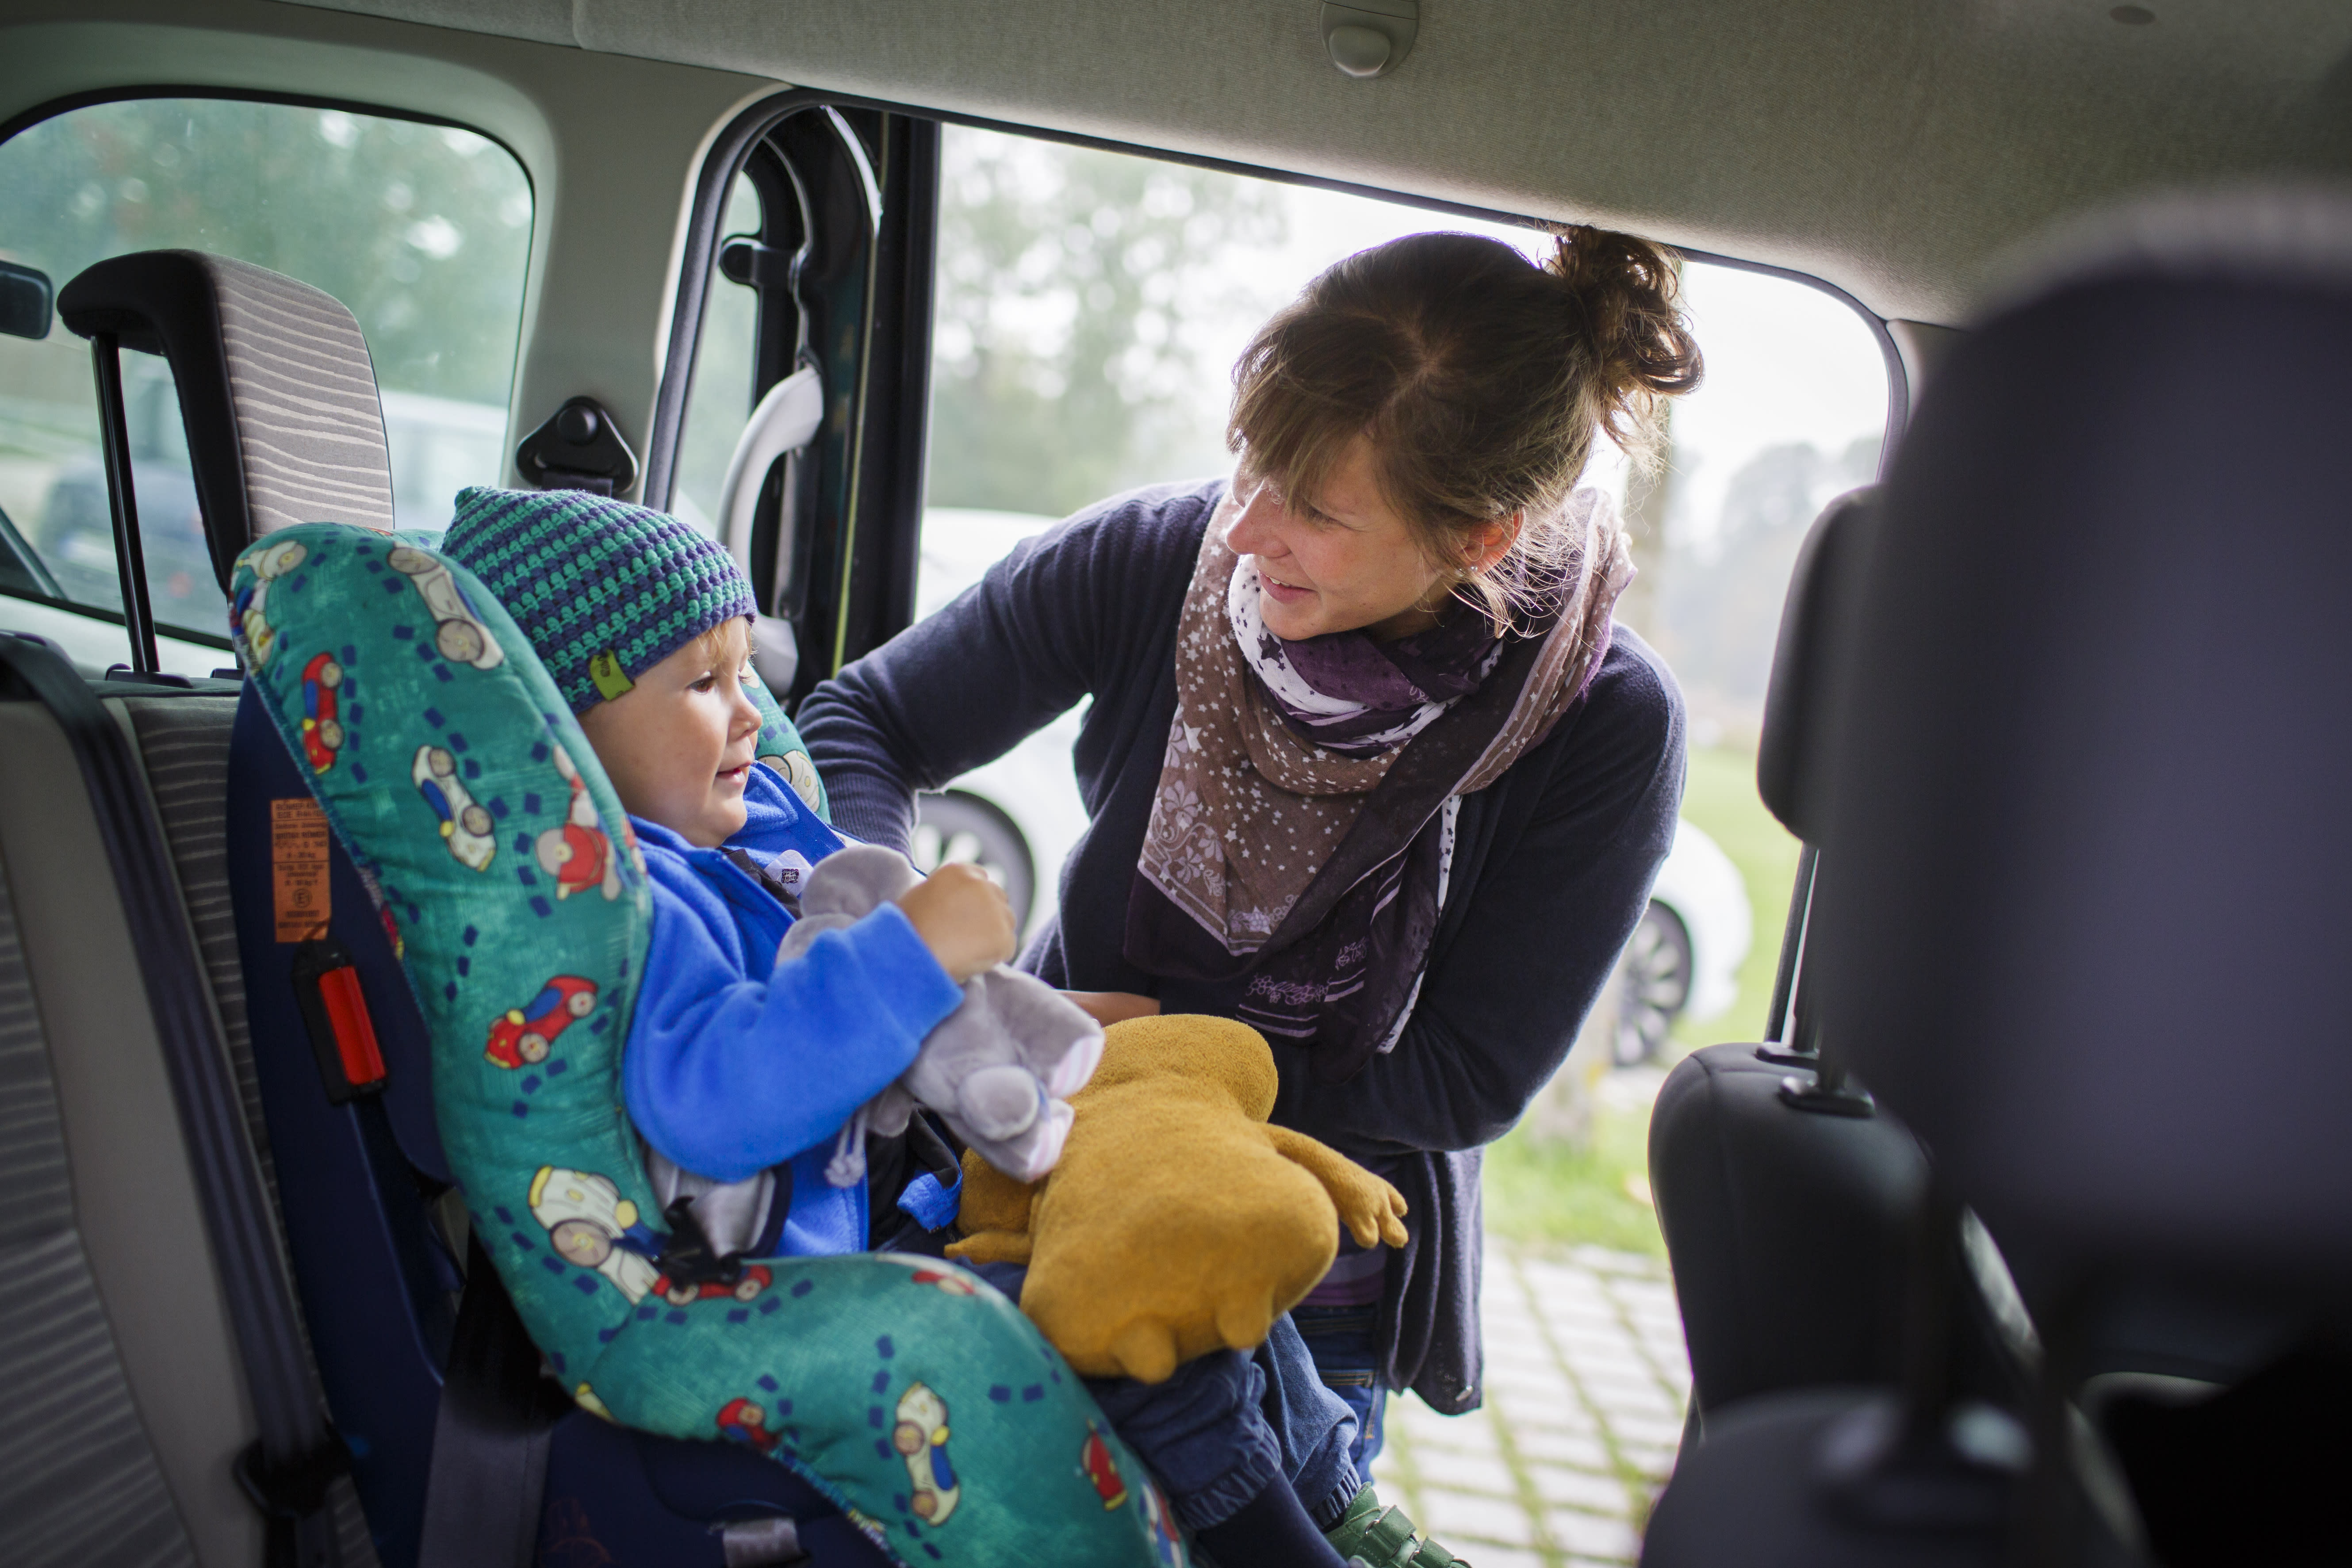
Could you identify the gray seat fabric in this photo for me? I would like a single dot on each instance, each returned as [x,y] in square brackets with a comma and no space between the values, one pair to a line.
[127,1394]
[182,744]
[303,390]
[129,1401]
[79,1480]
[275,388]
[129,1181]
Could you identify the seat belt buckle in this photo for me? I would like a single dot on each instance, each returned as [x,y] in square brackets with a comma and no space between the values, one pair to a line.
[335,1015]
[688,1257]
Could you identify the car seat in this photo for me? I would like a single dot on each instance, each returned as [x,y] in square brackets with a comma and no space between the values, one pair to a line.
[346,1136]
[1785,1199]
[2080,921]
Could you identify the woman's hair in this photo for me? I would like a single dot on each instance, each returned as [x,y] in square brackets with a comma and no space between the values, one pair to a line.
[1480,378]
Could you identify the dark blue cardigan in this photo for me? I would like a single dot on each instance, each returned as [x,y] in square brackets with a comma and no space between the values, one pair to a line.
[1552,863]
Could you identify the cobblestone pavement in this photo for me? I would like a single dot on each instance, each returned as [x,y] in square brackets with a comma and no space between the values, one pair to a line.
[1586,1380]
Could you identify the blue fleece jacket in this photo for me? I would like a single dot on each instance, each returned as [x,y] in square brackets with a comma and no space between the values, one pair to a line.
[735,1062]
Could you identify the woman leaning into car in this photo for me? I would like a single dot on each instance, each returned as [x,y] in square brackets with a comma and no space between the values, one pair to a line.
[1368,766]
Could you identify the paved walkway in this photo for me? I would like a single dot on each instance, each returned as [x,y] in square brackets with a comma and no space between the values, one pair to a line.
[1586,1380]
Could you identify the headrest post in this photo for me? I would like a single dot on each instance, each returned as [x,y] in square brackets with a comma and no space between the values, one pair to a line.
[130,564]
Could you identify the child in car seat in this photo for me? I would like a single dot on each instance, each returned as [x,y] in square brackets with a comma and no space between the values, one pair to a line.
[740,1071]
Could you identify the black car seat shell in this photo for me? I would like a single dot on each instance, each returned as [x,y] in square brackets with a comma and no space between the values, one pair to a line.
[1786,1223]
[2079,920]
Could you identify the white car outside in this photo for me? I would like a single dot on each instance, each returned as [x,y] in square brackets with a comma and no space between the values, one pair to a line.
[1032,787]
[1019,816]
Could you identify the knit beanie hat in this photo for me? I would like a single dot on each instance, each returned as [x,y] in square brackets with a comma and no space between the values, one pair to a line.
[603,590]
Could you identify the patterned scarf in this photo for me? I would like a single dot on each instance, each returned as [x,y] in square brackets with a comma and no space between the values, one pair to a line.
[1348,693]
[1293,871]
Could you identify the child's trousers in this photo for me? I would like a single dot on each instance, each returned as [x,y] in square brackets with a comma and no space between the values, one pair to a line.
[1227,1423]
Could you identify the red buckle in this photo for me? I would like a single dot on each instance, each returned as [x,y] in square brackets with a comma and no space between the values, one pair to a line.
[335,1013]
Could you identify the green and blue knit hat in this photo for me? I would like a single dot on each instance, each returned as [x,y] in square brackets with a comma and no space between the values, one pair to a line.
[604,590]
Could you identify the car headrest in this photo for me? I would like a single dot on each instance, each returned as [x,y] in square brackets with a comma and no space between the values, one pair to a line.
[1794,753]
[2084,907]
[275,388]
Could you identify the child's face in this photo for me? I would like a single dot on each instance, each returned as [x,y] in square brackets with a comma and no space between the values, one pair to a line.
[677,746]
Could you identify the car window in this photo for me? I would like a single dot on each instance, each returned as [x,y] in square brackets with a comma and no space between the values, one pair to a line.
[1090,307]
[721,398]
[422,231]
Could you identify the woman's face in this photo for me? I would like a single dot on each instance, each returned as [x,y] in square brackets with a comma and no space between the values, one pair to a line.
[1349,563]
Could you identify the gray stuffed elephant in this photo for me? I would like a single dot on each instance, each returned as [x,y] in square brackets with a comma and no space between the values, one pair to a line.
[998,1070]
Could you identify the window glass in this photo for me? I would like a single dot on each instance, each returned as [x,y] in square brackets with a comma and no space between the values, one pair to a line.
[719,400]
[422,231]
[1090,308]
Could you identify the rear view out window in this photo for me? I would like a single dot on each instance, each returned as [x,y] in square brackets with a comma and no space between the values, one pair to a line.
[422,231]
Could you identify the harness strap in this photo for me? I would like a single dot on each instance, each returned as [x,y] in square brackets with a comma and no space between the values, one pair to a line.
[297,1446]
[492,1436]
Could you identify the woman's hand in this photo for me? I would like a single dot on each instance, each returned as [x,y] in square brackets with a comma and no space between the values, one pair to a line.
[962,917]
[1107,1007]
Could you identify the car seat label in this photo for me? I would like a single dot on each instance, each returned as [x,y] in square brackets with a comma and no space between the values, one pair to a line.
[298,862]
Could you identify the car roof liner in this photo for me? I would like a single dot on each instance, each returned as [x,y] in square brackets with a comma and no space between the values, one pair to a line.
[1891,151]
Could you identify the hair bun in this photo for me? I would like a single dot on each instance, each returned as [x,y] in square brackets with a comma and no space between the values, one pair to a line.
[1628,292]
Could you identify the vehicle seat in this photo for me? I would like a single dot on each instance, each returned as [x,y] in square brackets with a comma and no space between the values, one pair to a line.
[128,1401]
[2080,922]
[1787,1212]
[131,1405]
[375,1240]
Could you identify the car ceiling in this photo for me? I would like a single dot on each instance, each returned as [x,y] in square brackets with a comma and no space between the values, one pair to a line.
[1893,149]
[1890,149]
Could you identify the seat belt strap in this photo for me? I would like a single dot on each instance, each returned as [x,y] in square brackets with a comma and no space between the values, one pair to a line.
[492,1436]
[297,1454]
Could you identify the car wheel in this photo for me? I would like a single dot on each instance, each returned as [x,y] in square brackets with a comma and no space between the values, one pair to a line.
[958,827]
[458,642]
[1656,971]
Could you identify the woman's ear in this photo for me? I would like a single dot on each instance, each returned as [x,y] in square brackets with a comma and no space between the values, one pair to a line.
[1493,541]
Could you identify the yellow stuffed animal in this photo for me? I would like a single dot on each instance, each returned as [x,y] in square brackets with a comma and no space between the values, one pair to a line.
[1177,1221]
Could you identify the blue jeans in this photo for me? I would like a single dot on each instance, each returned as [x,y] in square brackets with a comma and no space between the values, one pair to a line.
[1345,1345]
[1228,1424]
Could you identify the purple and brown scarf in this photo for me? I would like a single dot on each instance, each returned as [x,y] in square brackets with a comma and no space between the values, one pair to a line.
[1299,839]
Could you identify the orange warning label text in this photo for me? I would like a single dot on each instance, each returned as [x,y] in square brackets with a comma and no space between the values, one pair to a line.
[297,860]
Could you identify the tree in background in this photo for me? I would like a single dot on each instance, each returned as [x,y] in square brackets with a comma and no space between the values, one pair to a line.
[422,231]
[1066,362]
[1714,609]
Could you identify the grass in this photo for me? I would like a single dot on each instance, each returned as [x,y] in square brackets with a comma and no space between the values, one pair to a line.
[1549,1192]
[1546,1192]
[1720,799]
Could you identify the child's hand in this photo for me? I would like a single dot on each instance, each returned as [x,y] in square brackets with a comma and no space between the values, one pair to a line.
[962,917]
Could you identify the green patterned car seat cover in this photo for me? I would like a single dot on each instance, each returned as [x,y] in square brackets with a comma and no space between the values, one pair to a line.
[909,1391]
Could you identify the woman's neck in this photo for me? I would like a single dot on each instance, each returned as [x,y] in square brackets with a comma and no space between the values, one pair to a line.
[1406,622]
